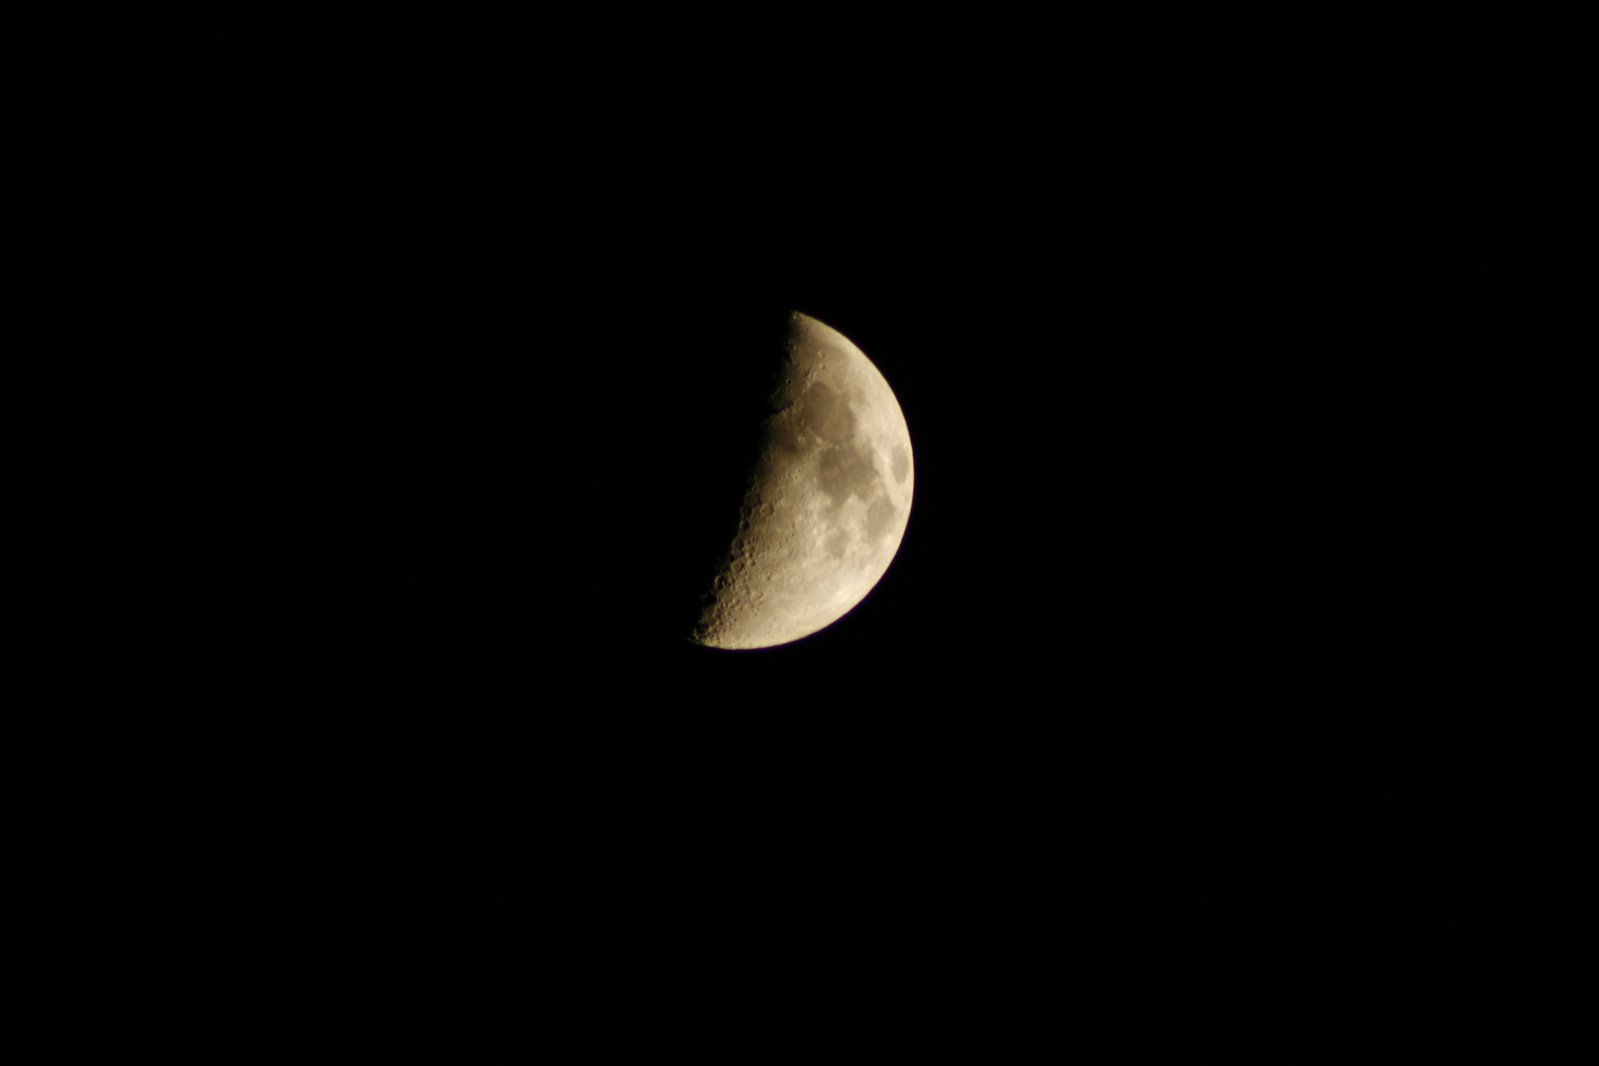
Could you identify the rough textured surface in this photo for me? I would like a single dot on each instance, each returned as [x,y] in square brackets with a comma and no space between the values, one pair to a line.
[827,504]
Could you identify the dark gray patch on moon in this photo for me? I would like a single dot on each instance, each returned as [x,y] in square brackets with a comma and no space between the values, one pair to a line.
[879,518]
[827,414]
[836,543]
[846,471]
[902,463]
[783,436]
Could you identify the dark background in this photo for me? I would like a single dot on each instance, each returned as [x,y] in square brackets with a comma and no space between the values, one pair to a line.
[412,392]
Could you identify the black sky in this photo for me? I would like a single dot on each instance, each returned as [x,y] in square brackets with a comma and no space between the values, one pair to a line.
[430,397]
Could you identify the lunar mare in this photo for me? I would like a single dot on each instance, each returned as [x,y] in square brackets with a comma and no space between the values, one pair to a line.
[828,501]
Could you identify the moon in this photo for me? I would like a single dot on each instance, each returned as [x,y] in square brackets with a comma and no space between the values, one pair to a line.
[827,502]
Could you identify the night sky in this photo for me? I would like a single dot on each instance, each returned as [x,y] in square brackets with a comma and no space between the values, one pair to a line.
[1188,694]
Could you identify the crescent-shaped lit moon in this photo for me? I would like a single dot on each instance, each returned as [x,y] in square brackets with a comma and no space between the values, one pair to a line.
[827,503]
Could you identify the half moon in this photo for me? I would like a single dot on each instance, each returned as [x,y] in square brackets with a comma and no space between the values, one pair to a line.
[827,503]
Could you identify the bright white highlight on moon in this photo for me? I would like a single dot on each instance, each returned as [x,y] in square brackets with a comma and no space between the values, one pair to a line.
[827,503]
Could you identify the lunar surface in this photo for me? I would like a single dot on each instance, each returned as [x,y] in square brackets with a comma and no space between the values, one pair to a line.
[827,502]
